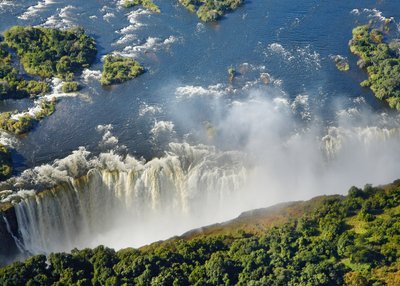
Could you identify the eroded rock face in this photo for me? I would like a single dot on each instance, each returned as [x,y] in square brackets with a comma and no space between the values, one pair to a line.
[8,236]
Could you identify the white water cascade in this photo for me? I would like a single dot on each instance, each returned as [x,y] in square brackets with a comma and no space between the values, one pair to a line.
[125,202]
[129,200]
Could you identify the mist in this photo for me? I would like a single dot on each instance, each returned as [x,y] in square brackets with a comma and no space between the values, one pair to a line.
[238,151]
[294,149]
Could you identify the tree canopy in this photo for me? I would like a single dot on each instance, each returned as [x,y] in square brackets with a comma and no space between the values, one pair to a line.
[381,61]
[332,240]
[118,69]
[210,10]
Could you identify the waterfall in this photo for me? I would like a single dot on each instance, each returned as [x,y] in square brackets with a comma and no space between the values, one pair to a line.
[128,196]
[84,200]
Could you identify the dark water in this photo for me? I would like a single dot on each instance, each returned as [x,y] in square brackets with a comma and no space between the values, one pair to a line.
[290,40]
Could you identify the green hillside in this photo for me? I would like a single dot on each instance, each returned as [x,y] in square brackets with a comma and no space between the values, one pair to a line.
[329,240]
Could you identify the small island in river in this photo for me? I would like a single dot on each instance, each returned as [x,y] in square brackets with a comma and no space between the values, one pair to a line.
[118,69]
[147,4]
[211,10]
[381,61]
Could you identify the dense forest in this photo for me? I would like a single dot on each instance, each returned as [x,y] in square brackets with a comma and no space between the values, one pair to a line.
[12,85]
[330,240]
[47,52]
[381,60]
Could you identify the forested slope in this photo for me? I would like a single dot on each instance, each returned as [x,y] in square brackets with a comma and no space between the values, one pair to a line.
[329,240]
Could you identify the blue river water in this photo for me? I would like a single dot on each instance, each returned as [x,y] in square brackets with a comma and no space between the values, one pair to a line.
[291,41]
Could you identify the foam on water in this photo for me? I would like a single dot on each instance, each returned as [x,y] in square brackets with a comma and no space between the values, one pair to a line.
[190,91]
[65,18]
[301,55]
[33,11]
[149,109]
[56,86]
[162,127]
[88,75]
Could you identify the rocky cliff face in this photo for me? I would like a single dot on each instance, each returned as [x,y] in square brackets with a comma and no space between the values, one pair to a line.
[10,246]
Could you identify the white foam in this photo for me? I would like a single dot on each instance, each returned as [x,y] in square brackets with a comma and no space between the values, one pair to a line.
[376,14]
[88,74]
[311,58]
[299,55]
[56,85]
[279,49]
[162,127]
[63,19]
[5,4]
[108,16]
[11,197]
[134,15]
[125,39]
[32,11]
[148,109]
[151,44]
[8,139]
[108,139]
[190,91]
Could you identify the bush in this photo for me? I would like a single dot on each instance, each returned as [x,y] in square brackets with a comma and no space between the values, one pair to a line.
[71,86]
[119,69]
[50,52]
[210,10]
[5,163]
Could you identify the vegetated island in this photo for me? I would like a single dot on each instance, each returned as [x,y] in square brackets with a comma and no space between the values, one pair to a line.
[211,10]
[5,163]
[44,53]
[341,63]
[147,4]
[329,240]
[119,69]
[382,62]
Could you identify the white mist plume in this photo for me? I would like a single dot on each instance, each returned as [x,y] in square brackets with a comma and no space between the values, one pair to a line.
[296,156]
[283,152]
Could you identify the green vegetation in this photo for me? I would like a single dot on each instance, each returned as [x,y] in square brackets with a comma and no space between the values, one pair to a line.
[18,126]
[13,86]
[70,86]
[118,69]
[147,4]
[5,163]
[47,52]
[26,122]
[382,62]
[47,108]
[231,73]
[330,240]
[341,63]
[210,10]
